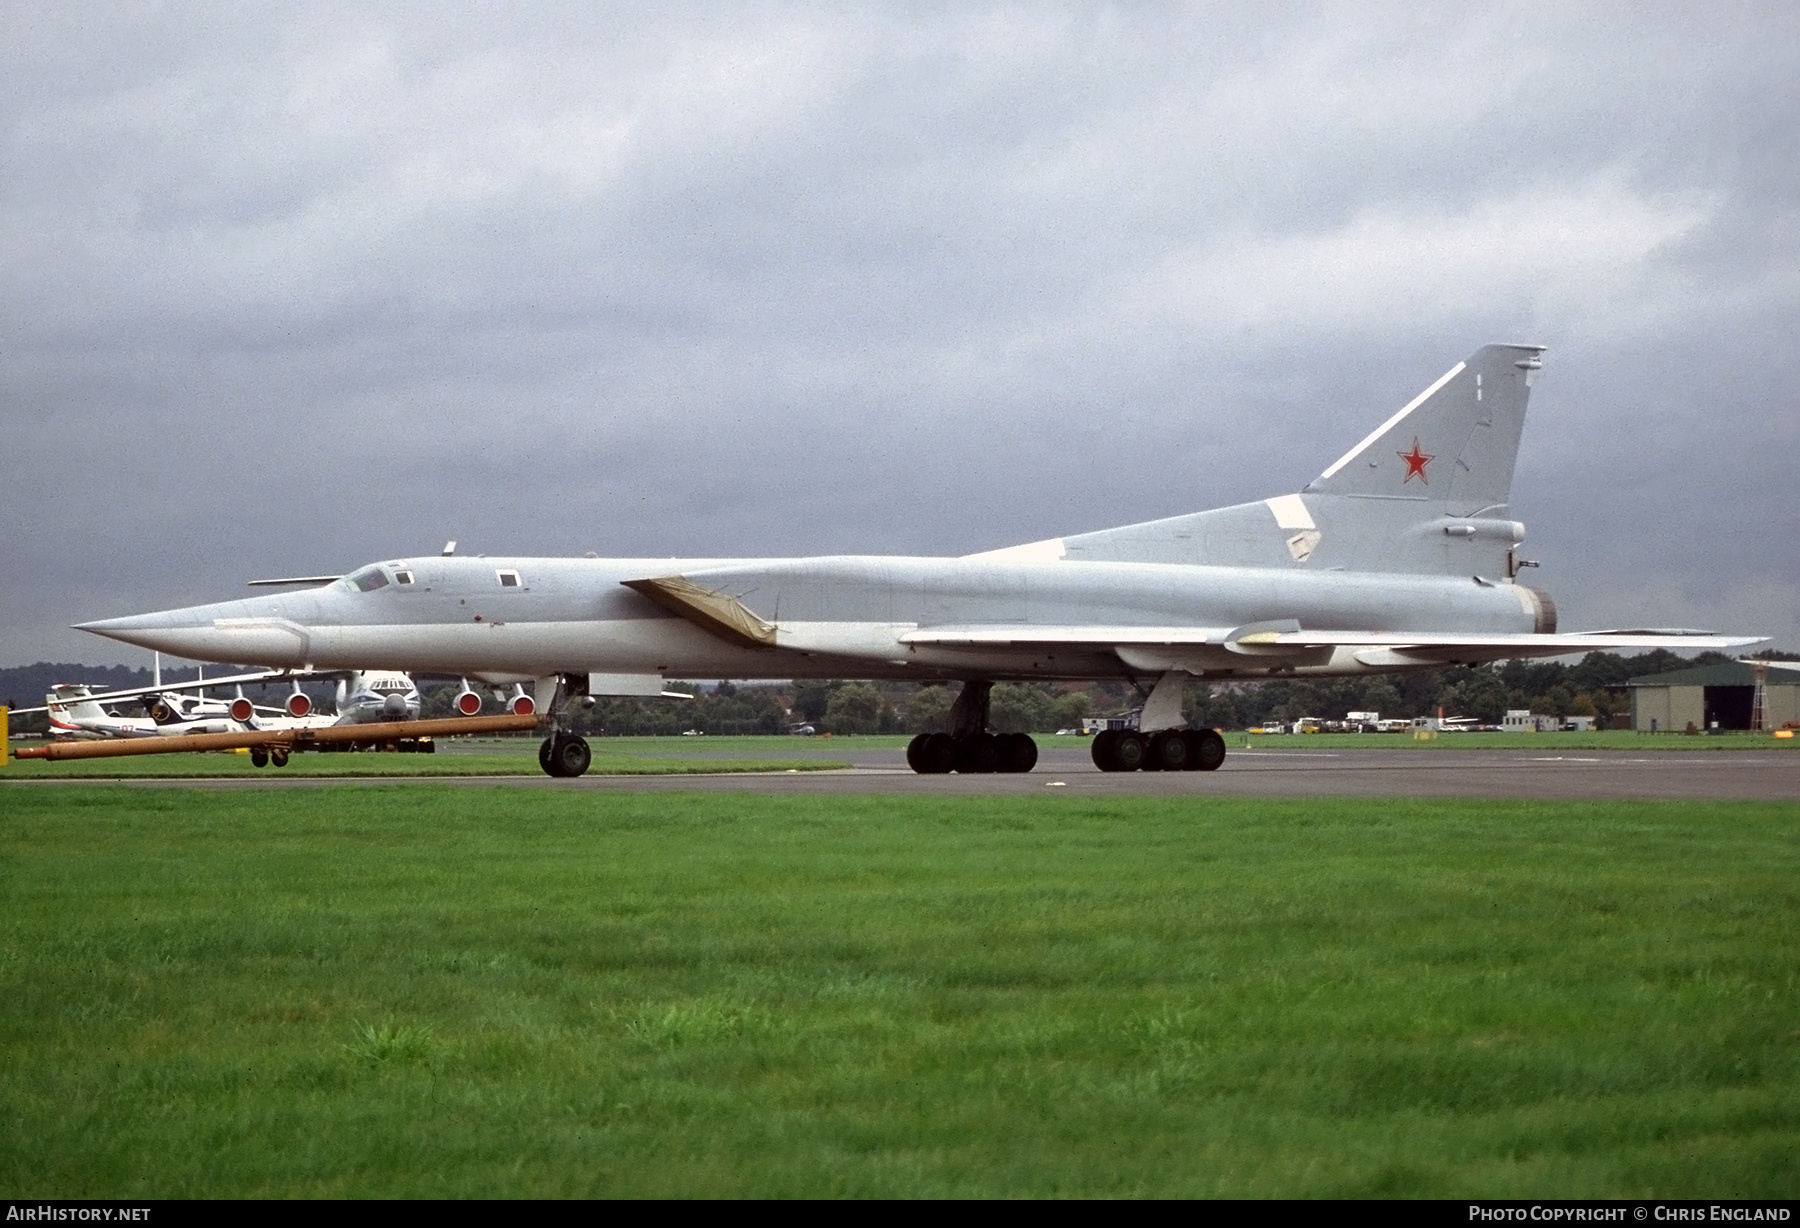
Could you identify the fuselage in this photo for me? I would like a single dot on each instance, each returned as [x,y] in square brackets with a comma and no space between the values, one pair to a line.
[518,618]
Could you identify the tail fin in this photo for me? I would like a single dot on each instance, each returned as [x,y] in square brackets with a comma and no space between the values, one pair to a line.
[70,706]
[1455,443]
[1424,492]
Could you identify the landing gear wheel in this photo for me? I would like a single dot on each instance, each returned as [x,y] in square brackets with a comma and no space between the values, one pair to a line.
[1018,753]
[1104,742]
[568,756]
[575,756]
[1168,751]
[278,756]
[978,754]
[259,757]
[1131,751]
[1206,750]
[915,751]
[937,755]
[544,755]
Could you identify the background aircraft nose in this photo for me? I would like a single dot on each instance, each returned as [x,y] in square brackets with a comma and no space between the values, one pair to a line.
[394,706]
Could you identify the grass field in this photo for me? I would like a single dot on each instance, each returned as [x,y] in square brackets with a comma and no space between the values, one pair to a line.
[444,991]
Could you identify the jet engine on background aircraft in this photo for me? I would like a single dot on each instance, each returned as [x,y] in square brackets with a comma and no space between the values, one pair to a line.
[467,702]
[299,703]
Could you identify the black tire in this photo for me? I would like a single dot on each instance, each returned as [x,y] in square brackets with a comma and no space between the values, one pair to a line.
[1131,751]
[1168,751]
[278,755]
[571,755]
[544,748]
[259,757]
[1206,750]
[978,754]
[915,750]
[1018,753]
[1102,750]
[938,755]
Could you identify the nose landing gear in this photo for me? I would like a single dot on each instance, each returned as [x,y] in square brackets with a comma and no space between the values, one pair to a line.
[561,754]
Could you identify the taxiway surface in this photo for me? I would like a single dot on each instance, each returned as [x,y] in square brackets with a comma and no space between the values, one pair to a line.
[1690,775]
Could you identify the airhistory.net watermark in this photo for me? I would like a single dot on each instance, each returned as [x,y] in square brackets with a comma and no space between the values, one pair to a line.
[51,1213]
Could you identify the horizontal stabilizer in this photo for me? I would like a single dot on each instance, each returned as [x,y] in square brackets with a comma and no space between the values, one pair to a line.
[1205,648]
[1378,649]
[1262,635]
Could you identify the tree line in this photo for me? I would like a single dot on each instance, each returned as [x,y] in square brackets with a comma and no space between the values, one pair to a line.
[1593,686]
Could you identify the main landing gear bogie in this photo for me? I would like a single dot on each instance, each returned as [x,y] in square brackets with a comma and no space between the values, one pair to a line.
[934,754]
[1171,750]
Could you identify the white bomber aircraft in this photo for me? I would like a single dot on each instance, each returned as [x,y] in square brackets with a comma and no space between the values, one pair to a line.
[1401,556]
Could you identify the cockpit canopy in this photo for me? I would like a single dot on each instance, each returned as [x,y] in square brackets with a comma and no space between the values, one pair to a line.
[366,581]
[373,577]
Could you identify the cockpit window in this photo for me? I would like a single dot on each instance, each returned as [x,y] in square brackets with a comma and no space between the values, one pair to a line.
[368,580]
[508,579]
[403,577]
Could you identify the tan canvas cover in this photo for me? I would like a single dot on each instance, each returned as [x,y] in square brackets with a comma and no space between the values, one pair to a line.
[723,615]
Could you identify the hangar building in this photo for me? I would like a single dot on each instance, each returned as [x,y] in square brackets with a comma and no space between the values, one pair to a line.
[1722,693]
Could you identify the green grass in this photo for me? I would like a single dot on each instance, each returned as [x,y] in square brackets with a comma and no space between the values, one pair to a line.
[457,992]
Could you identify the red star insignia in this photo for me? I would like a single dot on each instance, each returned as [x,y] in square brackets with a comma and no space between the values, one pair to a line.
[1415,463]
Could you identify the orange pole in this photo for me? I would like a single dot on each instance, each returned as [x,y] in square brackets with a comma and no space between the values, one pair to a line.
[291,739]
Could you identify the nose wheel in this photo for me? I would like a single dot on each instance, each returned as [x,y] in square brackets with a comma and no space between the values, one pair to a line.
[564,755]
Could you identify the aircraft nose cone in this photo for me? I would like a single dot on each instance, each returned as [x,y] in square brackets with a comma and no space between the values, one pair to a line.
[134,622]
[229,631]
[394,706]
[158,630]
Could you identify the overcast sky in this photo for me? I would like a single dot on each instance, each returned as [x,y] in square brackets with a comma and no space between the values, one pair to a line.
[284,290]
